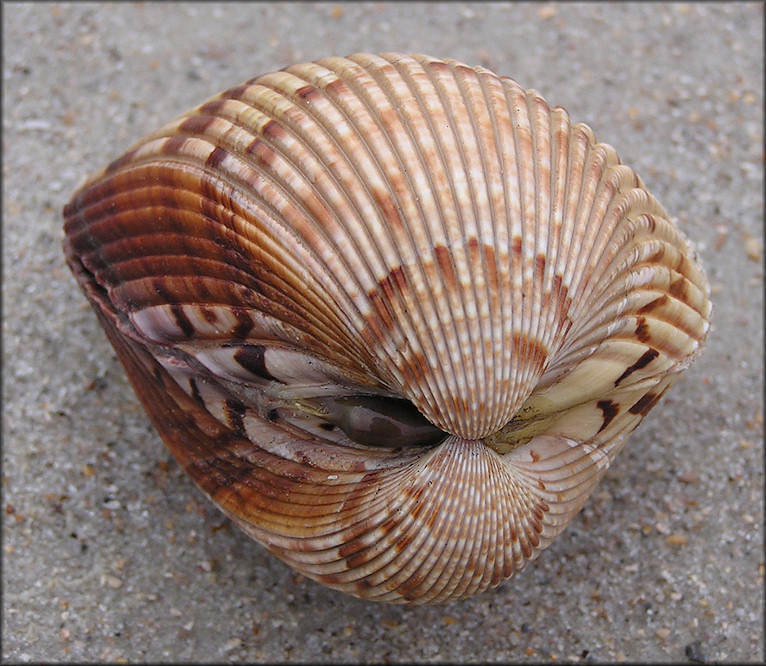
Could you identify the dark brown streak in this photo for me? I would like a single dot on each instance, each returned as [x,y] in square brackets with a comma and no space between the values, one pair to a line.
[195,392]
[645,404]
[235,412]
[642,329]
[215,158]
[196,125]
[653,305]
[610,410]
[244,323]
[182,320]
[647,357]
[251,358]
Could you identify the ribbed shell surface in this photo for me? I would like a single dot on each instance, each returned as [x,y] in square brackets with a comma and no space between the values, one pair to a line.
[401,227]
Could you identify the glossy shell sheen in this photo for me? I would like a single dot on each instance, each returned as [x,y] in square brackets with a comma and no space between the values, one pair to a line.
[395,315]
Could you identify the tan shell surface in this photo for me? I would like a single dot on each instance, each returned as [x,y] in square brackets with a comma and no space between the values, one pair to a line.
[402,227]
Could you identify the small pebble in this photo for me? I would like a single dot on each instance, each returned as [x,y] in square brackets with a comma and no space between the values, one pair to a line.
[677,539]
[694,652]
[689,477]
[111,581]
[753,248]
[546,12]
[232,644]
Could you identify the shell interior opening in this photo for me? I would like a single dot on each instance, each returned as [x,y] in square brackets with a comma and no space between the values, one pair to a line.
[375,420]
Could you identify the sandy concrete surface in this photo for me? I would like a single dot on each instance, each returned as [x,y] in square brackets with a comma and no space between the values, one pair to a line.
[111,554]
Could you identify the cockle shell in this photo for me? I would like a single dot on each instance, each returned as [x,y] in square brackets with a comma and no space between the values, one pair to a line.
[395,315]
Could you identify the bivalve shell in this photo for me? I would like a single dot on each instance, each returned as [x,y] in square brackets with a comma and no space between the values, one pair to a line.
[395,315]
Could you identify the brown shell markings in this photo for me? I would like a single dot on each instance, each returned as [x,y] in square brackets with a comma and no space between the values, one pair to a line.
[395,315]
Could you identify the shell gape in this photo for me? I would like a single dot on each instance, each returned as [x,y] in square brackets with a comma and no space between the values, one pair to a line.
[290,266]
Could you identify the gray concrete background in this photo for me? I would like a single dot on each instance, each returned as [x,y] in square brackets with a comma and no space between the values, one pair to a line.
[110,553]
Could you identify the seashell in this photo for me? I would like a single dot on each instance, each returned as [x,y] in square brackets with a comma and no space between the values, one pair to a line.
[394,315]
